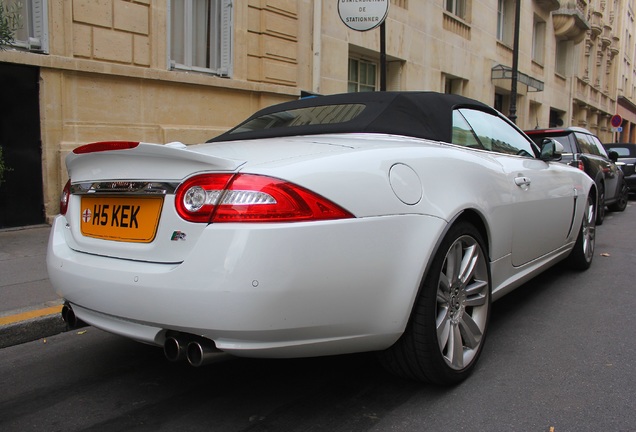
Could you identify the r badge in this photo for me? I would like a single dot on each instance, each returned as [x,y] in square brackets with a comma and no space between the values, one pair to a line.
[178,235]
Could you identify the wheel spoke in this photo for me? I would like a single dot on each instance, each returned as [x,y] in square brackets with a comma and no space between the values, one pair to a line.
[469,262]
[590,216]
[443,290]
[476,294]
[453,262]
[470,331]
[456,349]
[588,241]
[443,328]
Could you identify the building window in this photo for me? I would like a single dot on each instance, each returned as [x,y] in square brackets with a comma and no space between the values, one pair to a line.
[560,57]
[456,7]
[454,85]
[538,40]
[501,102]
[534,114]
[404,4]
[506,21]
[32,33]
[201,35]
[362,76]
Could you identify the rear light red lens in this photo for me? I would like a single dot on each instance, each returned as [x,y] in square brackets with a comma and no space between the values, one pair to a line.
[66,195]
[105,146]
[251,198]
[196,198]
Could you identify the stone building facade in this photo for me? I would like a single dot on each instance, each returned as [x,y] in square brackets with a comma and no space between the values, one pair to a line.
[186,70]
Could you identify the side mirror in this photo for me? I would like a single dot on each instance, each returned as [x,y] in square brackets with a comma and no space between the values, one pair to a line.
[551,150]
[613,156]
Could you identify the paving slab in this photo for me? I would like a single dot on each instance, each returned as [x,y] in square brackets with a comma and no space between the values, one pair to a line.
[29,307]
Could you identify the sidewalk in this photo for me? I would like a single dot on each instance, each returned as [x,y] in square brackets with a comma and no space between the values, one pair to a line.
[29,308]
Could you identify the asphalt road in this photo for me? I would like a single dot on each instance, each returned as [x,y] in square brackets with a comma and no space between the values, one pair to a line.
[560,357]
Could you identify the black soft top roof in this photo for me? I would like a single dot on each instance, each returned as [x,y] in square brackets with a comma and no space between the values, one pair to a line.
[417,114]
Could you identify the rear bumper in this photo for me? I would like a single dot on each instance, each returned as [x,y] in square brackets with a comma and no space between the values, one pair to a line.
[282,290]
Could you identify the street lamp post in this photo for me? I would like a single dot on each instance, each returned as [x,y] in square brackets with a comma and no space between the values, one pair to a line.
[383,56]
[515,64]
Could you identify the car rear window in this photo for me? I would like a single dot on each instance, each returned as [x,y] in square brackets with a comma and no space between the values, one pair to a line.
[563,139]
[315,115]
[623,151]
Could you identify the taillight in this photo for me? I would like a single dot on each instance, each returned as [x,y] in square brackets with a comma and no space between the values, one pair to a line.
[66,195]
[251,198]
[197,197]
[580,165]
[105,146]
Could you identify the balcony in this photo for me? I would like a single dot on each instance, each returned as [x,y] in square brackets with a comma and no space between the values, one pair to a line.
[615,46]
[548,5]
[596,23]
[570,23]
[606,37]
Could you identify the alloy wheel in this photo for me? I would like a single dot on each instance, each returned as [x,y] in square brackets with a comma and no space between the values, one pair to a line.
[462,302]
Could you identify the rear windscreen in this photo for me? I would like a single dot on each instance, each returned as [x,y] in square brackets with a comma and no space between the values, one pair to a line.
[622,151]
[563,139]
[315,115]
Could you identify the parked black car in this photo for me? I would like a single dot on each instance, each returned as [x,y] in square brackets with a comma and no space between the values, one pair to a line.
[626,161]
[583,149]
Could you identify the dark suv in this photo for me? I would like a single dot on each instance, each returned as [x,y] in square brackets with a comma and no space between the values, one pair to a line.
[583,149]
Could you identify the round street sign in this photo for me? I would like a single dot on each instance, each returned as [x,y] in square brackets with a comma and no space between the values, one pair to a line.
[363,15]
[616,120]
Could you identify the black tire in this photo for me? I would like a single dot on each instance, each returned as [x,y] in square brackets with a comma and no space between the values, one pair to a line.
[450,315]
[622,199]
[600,208]
[581,256]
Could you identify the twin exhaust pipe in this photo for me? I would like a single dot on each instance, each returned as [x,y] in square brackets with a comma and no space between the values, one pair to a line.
[178,347]
[69,317]
[198,351]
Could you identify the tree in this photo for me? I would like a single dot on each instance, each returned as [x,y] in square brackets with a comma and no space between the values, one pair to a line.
[9,22]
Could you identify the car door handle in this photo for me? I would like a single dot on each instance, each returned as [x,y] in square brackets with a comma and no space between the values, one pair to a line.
[522,182]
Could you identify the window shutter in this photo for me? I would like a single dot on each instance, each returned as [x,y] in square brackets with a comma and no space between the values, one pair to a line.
[226,38]
[38,40]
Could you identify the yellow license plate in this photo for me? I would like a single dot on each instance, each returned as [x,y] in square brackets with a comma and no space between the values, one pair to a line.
[121,218]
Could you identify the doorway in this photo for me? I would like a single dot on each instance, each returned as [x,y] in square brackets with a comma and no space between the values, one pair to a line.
[21,192]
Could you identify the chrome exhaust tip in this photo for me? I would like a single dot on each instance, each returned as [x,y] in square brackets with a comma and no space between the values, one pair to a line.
[174,349]
[202,353]
[69,316]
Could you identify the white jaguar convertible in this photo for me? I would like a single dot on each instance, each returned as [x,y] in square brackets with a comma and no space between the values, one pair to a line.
[386,222]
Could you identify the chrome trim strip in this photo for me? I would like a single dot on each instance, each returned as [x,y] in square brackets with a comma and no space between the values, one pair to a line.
[124,187]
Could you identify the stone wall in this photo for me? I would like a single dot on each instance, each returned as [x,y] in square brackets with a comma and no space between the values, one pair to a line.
[106,77]
[107,74]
